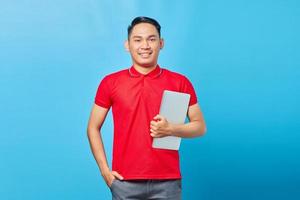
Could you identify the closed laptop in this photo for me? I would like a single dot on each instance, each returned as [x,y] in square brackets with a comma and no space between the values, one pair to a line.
[174,106]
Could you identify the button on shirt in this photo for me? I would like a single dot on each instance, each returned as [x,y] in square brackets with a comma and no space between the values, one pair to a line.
[135,99]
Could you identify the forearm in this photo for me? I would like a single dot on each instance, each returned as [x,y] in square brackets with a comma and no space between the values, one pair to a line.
[188,130]
[98,151]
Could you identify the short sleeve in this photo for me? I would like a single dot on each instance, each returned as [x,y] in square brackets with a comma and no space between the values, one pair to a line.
[189,89]
[103,98]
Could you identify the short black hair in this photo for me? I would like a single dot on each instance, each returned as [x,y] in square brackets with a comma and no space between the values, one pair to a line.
[142,19]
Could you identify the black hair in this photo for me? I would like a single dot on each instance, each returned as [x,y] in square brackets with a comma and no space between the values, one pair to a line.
[141,19]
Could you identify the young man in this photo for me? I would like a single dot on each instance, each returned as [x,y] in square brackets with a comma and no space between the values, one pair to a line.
[138,170]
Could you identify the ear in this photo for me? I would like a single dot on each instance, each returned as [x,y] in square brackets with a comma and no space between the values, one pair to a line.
[162,43]
[126,45]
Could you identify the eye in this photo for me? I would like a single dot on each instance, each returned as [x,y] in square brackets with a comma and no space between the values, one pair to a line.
[136,40]
[152,39]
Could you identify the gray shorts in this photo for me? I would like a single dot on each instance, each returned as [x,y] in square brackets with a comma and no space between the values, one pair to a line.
[146,189]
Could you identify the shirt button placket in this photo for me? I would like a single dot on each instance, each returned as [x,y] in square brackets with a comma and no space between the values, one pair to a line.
[143,84]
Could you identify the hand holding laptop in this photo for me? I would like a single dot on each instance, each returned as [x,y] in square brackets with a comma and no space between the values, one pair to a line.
[173,108]
[160,127]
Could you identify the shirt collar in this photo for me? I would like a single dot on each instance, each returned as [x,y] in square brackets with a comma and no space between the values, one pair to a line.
[153,74]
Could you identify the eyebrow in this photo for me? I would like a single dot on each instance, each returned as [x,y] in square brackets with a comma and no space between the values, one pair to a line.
[136,36]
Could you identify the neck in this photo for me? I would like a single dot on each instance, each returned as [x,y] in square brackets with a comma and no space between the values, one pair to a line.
[144,70]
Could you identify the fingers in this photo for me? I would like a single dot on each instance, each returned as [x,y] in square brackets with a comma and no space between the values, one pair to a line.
[111,177]
[153,123]
[154,131]
[155,134]
[154,127]
[158,126]
[158,117]
[158,120]
[117,175]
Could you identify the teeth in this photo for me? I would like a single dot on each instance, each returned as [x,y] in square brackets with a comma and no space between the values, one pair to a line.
[145,54]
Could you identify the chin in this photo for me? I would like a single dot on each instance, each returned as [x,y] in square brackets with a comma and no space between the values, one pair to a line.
[146,65]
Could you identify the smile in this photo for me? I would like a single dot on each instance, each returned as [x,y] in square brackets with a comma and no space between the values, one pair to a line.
[145,54]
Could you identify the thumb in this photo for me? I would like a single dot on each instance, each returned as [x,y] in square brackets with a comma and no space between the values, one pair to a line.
[117,175]
[158,117]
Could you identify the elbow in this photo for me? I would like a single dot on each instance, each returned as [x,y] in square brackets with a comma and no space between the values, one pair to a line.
[202,130]
[89,131]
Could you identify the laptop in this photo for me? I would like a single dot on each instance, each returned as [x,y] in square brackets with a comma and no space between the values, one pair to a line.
[174,106]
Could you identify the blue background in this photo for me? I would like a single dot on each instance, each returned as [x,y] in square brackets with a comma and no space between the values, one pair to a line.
[242,57]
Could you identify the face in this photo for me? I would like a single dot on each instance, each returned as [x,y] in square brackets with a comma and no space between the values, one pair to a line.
[144,45]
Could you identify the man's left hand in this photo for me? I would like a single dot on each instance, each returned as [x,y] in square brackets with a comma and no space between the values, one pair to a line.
[160,127]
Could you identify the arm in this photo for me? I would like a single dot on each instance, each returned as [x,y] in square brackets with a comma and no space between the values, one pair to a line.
[160,127]
[97,117]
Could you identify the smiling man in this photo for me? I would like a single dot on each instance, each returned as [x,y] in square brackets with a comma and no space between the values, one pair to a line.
[134,94]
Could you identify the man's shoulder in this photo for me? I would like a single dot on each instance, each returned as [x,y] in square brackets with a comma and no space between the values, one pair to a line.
[174,74]
[116,75]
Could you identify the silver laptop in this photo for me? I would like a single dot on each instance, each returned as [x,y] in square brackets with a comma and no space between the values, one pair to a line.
[174,106]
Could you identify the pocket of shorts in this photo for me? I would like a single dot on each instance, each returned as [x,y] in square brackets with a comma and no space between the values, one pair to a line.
[112,184]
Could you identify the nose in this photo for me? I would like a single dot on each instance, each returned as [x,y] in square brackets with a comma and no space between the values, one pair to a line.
[145,44]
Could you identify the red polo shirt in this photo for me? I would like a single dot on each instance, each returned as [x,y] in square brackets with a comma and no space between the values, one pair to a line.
[135,99]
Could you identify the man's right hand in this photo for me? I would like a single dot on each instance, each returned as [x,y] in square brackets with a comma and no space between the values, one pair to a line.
[110,176]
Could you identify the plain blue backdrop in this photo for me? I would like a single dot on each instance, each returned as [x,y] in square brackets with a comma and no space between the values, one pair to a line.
[243,58]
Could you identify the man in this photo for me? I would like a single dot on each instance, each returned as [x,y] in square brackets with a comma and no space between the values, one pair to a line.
[138,170]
